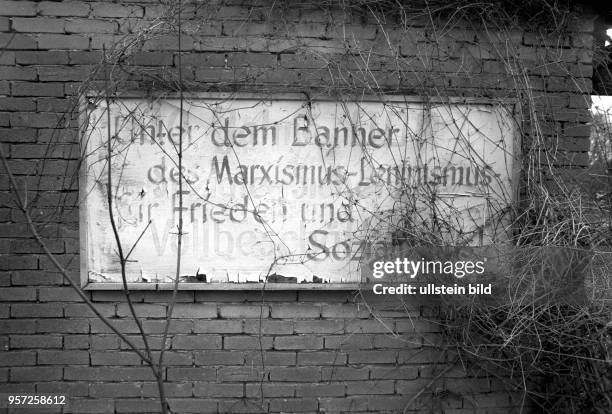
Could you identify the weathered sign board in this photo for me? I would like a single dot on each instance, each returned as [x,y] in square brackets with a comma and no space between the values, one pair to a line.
[282,189]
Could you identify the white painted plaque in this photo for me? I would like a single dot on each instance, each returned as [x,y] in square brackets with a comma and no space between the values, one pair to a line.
[286,190]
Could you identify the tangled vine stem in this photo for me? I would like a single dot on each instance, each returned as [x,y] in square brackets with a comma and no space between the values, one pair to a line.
[549,333]
[556,351]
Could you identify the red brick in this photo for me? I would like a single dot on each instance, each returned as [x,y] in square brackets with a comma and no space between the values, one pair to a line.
[61,294]
[370,326]
[579,101]
[82,310]
[270,390]
[191,374]
[246,342]
[17,358]
[295,311]
[17,73]
[344,373]
[142,310]
[259,60]
[243,311]
[116,10]
[33,246]
[90,405]
[37,310]
[105,41]
[188,59]
[18,326]
[346,342]
[490,400]
[319,326]
[269,358]
[394,372]
[372,357]
[321,390]
[471,385]
[17,294]
[21,388]
[17,8]
[35,341]
[243,406]
[577,130]
[321,358]
[76,342]
[297,374]
[298,342]
[219,358]
[194,311]
[344,311]
[172,389]
[176,326]
[370,387]
[381,403]
[268,327]
[413,386]
[296,405]
[115,358]
[85,57]
[344,404]
[233,374]
[137,405]
[417,325]
[193,405]
[74,389]
[7,58]
[53,135]
[154,59]
[397,341]
[217,326]
[17,104]
[14,230]
[104,342]
[70,357]
[36,374]
[211,389]
[63,42]
[114,374]
[37,89]
[63,326]
[196,342]
[66,8]
[38,25]
[90,26]
[127,326]
[62,73]
[224,75]
[98,390]
[237,29]
[17,41]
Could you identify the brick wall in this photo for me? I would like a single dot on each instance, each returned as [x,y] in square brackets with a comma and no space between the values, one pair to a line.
[243,351]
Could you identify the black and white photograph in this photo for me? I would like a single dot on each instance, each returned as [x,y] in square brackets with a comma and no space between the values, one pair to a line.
[310,206]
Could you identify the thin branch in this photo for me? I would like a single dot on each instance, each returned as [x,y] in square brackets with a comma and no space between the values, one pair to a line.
[59,267]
